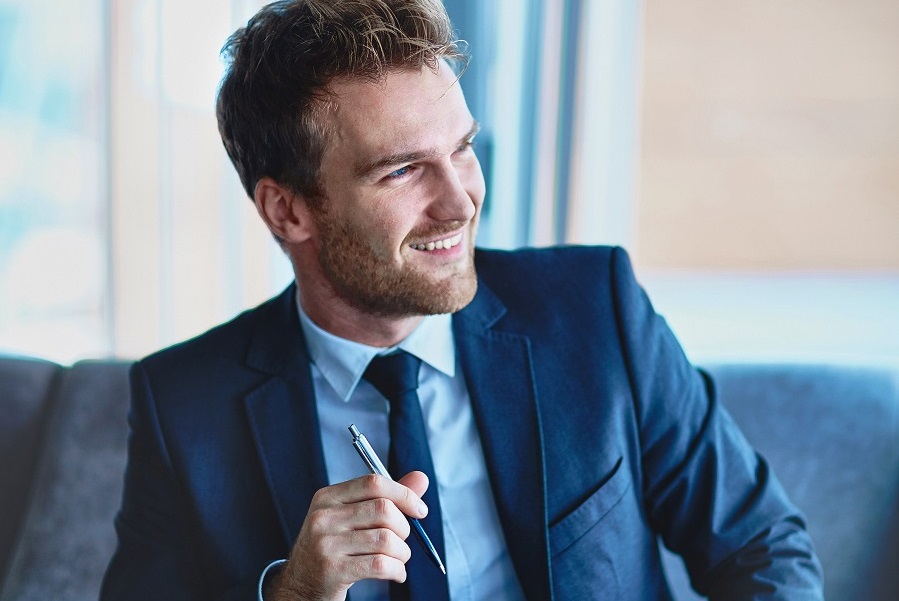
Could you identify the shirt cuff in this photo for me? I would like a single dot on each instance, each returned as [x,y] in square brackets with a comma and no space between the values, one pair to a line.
[272,565]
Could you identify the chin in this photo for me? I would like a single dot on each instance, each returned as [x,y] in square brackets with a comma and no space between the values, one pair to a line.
[417,296]
[456,300]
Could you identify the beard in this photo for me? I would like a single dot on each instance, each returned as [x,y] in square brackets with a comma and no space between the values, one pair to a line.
[367,278]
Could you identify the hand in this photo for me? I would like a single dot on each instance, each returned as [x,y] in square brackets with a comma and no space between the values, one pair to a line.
[354,530]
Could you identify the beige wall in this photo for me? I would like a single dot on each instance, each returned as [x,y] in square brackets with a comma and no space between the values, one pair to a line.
[770,135]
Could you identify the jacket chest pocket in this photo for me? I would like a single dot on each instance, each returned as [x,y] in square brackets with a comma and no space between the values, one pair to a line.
[588,514]
[583,554]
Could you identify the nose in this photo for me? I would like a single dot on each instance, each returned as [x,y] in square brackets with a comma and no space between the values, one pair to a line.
[458,191]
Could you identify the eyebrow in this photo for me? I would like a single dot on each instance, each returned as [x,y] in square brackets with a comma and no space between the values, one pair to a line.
[408,157]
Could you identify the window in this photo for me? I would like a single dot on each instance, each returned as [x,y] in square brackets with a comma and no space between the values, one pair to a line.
[53,219]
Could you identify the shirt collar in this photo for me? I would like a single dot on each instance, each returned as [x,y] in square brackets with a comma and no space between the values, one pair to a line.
[342,362]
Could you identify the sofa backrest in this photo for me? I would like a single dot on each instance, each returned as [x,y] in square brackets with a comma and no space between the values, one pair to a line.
[831,435]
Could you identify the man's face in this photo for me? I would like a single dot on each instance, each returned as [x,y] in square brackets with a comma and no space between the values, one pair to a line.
[402,195]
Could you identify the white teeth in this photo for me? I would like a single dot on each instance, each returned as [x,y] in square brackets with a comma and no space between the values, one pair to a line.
[439,244]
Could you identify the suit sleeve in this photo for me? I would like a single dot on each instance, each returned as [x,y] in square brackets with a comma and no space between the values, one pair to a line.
[154,559]
[711,497]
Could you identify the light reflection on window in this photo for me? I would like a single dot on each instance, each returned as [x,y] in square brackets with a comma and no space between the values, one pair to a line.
[52,173]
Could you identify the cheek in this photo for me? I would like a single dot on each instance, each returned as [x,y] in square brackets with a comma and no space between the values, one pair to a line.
[387,228]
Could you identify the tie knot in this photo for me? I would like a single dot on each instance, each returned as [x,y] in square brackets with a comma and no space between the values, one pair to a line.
[393,374]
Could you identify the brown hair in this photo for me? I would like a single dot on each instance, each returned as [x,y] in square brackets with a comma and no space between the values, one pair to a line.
[272,97]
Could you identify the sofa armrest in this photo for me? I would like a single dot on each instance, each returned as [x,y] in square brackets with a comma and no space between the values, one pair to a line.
[26,390]
[67,537]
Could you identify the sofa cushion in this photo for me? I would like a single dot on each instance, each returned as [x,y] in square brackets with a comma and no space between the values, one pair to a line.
[25,393]
[832,436]
[68,535]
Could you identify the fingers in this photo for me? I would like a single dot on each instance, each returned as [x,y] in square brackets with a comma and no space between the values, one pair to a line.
[363,515]
[355,555]
[380,541]
[376,487]
[354,530]
[328,577]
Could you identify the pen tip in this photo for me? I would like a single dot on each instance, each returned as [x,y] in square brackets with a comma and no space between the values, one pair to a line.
[443,569]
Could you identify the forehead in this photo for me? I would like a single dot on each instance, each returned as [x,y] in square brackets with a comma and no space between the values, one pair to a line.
[408,108]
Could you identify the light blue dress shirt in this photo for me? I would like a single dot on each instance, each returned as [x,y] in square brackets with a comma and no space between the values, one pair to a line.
[477,561]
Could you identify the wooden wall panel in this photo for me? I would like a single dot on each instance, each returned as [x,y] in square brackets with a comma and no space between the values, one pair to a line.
[770,135]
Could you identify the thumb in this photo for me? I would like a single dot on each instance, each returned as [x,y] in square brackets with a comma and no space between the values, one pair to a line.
[416,481]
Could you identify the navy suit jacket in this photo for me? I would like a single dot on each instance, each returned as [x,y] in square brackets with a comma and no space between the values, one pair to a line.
[599,437]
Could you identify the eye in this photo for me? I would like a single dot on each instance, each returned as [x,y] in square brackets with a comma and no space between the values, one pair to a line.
[399,172]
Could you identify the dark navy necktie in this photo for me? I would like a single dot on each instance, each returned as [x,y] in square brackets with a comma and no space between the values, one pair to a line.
[396,377]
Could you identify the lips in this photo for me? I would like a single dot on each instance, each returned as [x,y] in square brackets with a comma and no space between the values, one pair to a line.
[439,244]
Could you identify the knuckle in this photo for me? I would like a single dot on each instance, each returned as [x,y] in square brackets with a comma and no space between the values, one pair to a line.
[320,497]
[383,539]
[318,521]
[383,507]
[373,484]
[379,565]
[330,564]
[321,547]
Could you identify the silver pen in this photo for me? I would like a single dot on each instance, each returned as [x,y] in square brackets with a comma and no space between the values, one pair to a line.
[362,446]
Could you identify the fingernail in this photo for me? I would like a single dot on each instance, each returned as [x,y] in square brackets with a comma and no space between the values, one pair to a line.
[422,508]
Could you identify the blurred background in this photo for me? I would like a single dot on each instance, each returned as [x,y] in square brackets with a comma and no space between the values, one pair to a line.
[745,153]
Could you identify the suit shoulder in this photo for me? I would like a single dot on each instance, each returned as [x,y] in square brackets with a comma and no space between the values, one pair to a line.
[229,339]
[545,268]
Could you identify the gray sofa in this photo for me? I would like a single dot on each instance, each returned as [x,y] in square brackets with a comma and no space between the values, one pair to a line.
[831,433]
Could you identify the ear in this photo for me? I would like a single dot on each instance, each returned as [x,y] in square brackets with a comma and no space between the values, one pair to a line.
[284,212]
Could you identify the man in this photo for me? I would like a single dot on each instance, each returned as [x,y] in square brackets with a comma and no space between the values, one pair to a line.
[564,428]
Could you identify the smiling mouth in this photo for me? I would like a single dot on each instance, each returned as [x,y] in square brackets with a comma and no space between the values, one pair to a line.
[439,244]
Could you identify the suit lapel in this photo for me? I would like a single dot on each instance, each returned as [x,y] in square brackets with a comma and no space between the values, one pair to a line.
[498,372]
[500,378]
[282,414]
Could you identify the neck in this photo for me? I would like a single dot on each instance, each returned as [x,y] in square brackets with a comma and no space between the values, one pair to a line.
[336,316]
